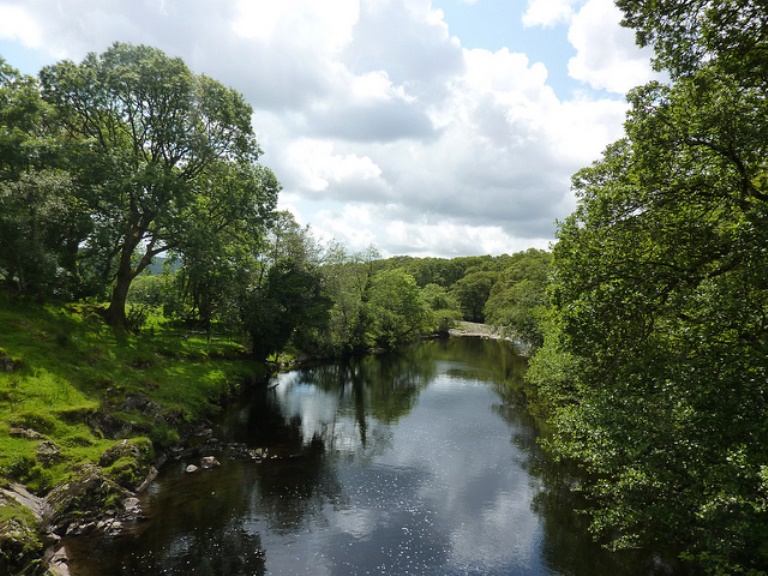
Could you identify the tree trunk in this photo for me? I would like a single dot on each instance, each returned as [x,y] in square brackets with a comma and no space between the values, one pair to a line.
[115,314]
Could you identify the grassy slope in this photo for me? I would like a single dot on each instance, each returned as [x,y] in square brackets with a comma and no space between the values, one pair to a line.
[61,368]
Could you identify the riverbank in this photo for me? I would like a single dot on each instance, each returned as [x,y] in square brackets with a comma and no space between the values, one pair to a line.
[86,416]
[489,331]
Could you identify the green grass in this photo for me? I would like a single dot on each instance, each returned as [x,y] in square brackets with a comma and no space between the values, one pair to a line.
[62,366]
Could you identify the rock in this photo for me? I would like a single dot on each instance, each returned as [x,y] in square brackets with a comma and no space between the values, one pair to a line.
[132,505]
[143,404]
[109,426]
[8,364]
[208,462]
[191,469]
[257,454]
[204,432]
[48,453]
[36,505]
[84,498]
[120,450]
[114,528]
[24,433]
[78,529]
[109,526]
[151,475]
[58,563]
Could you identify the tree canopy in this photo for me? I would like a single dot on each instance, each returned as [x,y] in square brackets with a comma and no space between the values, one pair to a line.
[654,365]
[153,147]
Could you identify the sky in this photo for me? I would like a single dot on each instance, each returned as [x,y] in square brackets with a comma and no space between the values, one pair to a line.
[419,127]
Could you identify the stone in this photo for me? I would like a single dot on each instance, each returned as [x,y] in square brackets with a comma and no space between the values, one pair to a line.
[24,433]
[191,469]
[48,453]
[115,528]
[122,449]
[132,505]
[57,565]
[208,462]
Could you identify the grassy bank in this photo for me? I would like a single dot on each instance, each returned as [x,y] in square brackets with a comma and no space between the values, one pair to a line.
[79,399]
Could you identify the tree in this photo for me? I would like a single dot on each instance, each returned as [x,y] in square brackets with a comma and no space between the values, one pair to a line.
[655,368]
[224,238]
[290,298]
[396,309]
[38,214]
[34,217]
[347,279]
[654,363]
[472,292]
[518,300]
[689,35]
[148,138]
[284,301]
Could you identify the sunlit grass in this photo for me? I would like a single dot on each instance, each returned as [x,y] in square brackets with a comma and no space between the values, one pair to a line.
[62,364]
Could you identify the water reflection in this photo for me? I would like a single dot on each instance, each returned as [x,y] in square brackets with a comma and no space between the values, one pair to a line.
[391,465]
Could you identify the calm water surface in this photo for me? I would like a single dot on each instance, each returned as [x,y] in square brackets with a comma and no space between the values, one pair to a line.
[420,463]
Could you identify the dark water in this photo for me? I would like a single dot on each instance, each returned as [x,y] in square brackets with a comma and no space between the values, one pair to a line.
[420,463]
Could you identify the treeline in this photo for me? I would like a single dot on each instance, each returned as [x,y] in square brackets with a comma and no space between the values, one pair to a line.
[327,302]
[127,159]
[654,367]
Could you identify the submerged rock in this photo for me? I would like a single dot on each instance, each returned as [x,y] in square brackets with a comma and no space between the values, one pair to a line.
[208,462]
[191,469]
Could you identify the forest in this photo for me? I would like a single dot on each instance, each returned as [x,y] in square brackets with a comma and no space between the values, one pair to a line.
[132,186]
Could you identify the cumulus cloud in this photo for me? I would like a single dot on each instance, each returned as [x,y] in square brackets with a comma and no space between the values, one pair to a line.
[606,54]
[548,12]
[382,129]
[17,24]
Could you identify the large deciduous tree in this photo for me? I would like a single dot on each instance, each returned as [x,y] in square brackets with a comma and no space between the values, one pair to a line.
[688,35]
[655,368]
[151,142]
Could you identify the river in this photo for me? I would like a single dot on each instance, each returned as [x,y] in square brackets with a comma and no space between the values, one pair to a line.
[422,463]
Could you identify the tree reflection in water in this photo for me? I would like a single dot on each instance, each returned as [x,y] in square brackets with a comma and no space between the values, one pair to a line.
[395,464]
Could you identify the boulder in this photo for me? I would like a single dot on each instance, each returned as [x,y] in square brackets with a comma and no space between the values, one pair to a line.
[122,449]
[208,462]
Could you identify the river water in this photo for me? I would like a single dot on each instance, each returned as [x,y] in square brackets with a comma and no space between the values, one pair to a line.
[421,463]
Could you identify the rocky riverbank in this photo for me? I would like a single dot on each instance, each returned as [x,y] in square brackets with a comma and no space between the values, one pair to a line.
[487,331]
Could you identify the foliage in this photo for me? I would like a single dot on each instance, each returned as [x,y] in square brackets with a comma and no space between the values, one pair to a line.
[472,292]
[290,298]
[518,301]
[347,281]
[283,300]
[158,154]
[396,309]
[654,362]
[689,35]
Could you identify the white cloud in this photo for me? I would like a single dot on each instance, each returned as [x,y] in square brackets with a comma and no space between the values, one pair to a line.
[326,25]
[17,24]
[317,164]
[548,12]
[381,128]
[606,54]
